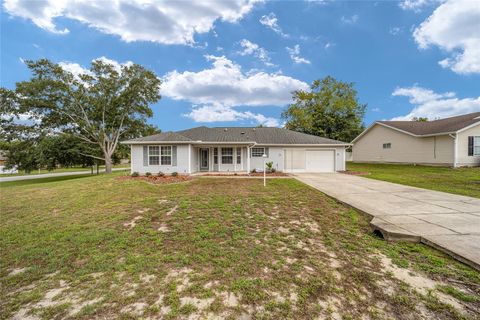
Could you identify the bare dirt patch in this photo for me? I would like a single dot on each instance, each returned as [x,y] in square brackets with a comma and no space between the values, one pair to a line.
[16,271]
[131,224]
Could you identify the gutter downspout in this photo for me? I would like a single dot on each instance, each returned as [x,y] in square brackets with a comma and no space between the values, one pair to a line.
[454,137]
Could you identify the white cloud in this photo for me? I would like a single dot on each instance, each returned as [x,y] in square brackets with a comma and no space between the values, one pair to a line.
[454,27]
[212,113]
[329,45]
[216,91]
[270,21]
[167,22]
[395,31]
[250,48]
[432,105]
[416,5]
[76,69]
[376,110]
[295,55]
[350,20]
[225,84]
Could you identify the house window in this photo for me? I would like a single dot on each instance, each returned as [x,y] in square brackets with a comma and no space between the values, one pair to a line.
[239,155]
[476,146]
[215,155]
[166,155]
[258,152]
[227,155]
[153,155]
[387,145]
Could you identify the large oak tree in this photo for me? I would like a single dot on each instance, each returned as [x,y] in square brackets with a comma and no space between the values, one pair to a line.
[329,109]
[100,106]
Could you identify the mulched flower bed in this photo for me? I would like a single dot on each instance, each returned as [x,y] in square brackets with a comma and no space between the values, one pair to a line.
[253,174]
[356,173]
[157,179]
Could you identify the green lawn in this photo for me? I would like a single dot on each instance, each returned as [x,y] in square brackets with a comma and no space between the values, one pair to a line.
[99,247]
[464,181]
[58,170]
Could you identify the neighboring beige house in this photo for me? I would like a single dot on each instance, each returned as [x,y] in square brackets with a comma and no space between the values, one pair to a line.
[451,141]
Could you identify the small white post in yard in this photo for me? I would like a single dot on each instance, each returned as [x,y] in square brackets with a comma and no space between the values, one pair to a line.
[264,156]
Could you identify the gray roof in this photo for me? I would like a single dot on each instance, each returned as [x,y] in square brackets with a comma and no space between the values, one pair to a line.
[263,135]
[446,125]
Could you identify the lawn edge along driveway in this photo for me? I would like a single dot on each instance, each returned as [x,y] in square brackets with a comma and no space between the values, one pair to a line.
[448,222]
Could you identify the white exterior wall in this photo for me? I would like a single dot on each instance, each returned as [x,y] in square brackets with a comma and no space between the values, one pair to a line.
[463,159]
[181,167]
[300,157]
[405,148]
[275,154]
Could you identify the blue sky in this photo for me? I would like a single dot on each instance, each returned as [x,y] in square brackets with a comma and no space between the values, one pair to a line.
[235,63]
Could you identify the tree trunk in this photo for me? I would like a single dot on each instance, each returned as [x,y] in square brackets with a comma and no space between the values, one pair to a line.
[108,163]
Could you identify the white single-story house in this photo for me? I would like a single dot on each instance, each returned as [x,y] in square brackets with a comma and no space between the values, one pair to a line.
[453,141]
[235,149]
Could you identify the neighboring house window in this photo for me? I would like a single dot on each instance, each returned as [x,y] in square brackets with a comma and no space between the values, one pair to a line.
[239,155]
[387,145]
[227,155]
[153,155]
[258,152]
[215,155]
[166,155]
[476,146]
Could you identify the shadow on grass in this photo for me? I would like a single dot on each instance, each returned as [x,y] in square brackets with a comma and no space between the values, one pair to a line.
[42,180]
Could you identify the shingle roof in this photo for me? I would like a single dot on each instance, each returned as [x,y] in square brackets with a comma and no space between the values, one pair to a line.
[263,135]
[164,136]
[446,125]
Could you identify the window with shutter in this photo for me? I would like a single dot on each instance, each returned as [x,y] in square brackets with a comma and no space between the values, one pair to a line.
[476,146]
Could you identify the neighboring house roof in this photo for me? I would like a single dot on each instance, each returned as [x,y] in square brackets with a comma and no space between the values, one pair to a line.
[262,135]
[430,128]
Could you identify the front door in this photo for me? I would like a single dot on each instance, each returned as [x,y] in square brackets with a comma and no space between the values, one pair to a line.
[203,159]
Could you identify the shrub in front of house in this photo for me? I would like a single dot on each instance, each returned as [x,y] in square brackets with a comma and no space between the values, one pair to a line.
[269,167]
[174,174]
[148,174]
[135,174]
[160,174]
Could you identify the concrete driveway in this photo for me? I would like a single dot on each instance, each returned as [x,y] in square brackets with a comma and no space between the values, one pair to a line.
[448,222]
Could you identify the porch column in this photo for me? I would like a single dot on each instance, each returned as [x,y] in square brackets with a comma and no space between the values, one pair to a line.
[189,158]
[234,156]
[248,159]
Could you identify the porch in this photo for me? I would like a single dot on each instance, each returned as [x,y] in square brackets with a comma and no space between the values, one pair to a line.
[220,159]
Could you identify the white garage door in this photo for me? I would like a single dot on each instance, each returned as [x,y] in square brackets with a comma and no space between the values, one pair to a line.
[320,161]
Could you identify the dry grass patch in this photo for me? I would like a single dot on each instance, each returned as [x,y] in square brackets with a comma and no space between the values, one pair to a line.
[213,248]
